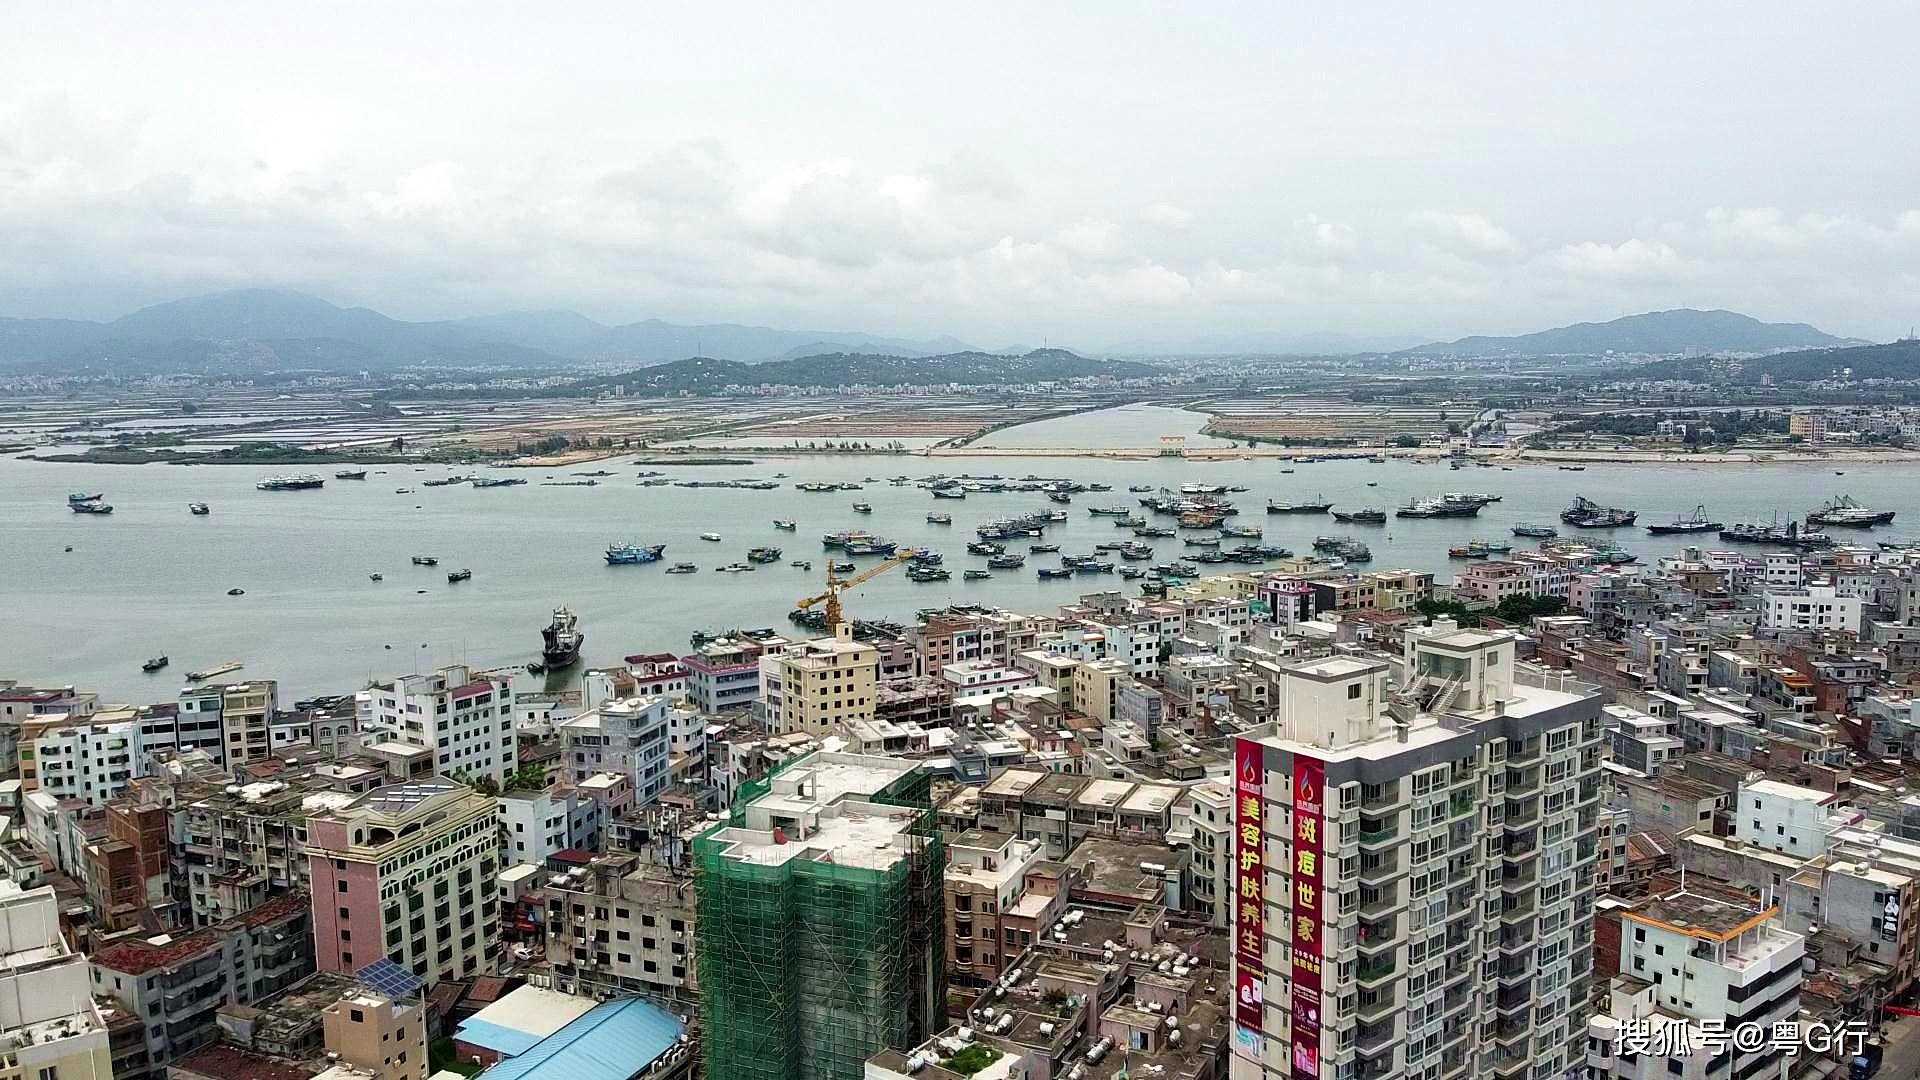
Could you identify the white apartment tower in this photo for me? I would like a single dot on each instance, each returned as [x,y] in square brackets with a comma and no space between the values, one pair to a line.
[464,720]
[1414,868]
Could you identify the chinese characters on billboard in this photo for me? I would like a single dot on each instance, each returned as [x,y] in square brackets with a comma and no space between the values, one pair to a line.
[1309,777]
[1249,889]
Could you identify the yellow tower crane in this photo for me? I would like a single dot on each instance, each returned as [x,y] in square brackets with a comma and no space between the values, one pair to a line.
[836,586]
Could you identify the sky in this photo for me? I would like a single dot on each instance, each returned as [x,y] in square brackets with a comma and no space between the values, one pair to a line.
[1003,173]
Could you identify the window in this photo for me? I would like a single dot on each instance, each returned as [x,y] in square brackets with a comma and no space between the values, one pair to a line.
[356,1016]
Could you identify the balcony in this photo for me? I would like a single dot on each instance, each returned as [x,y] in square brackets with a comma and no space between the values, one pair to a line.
[1379,798]
[1514,997]
[1522,782]
[1371,971]
[1379,935]
[1387,833]
[1377,902]
[1523,845]
[1525,877]
[1374,1006]
[1507,1031]
[1520,909]
[1383,870]
[1372,1039]
[1521,814]
[1461,804]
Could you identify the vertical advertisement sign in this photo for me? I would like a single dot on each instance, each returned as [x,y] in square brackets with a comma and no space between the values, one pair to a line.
[1249,895]
[1309,777]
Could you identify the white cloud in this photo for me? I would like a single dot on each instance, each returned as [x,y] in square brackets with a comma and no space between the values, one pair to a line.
[1635,260]
[1463,232]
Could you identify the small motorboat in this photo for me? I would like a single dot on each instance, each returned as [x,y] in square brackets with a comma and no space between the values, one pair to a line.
[199,509]
[375,577]
[536,668]
[862,508]
[236,592]
[154,664]
[425,560]
[459,576]
[682,568]
[784,525]
[710,537]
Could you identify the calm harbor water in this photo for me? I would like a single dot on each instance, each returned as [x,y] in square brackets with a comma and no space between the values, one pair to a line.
[151,579]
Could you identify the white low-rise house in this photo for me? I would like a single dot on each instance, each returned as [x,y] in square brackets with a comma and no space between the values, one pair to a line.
[89,760]
[1788,818]
[1816,607]
[536,824]
[631,736]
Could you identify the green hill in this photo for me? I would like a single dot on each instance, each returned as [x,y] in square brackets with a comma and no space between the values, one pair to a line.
[1897,360]
[706,375]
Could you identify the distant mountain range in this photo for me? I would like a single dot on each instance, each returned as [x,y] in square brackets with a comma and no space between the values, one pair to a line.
[1894,360]
[1266,343]
[704,374]
[1659,333]
[255,330]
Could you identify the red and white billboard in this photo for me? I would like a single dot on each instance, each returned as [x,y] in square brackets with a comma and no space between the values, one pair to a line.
[1309,817]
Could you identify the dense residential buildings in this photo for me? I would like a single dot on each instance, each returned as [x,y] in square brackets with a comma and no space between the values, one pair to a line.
[810,687]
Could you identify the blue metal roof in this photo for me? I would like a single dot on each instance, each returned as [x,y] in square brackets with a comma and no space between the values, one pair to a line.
[614,1041]
[498,1038]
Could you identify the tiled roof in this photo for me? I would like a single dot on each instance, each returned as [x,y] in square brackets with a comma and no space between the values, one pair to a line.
[137,957]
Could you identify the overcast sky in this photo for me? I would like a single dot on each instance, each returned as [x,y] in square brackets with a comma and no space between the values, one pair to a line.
[1089,174]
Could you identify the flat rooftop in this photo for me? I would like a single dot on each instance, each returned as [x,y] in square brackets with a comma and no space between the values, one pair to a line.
[866,835]
[1700,916]
[817,781]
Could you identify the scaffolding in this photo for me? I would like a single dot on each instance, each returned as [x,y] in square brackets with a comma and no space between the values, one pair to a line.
[807,967]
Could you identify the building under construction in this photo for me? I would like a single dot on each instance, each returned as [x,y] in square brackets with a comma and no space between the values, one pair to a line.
[819,920]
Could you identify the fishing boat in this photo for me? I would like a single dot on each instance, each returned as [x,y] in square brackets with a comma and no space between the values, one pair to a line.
[987,547]
[764,555]
[218,669]
[950,492]
[841,567]
[1573,468]
[1372,515]
[1319,505]
[497,481]
[459,576]
[1245,532]
[376,577]
[1042,549]
[1048,573]
[784,525]
[1437,508]
[1843,511]
[734,568]
[682,568]
[154,664]
[303,482]
[91,508]
[975,575]
[425,560]
[872,546]
[628,554]
[1792,535]
[801,564]
[1139,488]
[1007,562]
[74,498]
[939,519]
[199,509]
[1687,523]
[1587,514]
[710,537]
[350,474]
[1109,511]
[927,573]
[1539,531]
[862,508]
[1152,531]
[561,640]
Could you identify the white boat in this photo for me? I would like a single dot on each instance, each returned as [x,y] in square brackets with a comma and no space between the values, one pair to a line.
[715,537]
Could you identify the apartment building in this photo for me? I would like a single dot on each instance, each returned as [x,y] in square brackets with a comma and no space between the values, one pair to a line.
[89,760]
[406,872]
[625,925]
[1203,825]
[464,722]
[1420,861]
[175,984]
[632,737]
[988,906]
[246,715]
[1814,607]
[235,845]
[49,1024]
[1685,959]
[378,1033]
[813,686]
[725,674]
[19,704]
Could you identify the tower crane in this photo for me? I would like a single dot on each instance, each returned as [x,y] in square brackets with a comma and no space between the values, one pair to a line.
[838,585]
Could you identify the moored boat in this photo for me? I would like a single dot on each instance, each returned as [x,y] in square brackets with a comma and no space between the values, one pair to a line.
[155,664]
[350,474]
[458,576]
[562,639]
[627,554]
[1318,505]
[1587,514]
[1687,523]
[1843,511]
[1540,531]
[1369,516]
[199,509]
[91,507]
[302,482]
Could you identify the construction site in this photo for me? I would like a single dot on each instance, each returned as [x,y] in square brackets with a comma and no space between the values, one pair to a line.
[820,920]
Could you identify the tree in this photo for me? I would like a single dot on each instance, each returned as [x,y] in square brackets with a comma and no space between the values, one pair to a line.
[1452,609]
[1525,606]
[1405,442]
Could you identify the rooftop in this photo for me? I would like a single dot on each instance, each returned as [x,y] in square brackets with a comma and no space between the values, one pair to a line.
[616,1040]
[139,956]
[1700,916]
[515,1023]
[227,1062]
